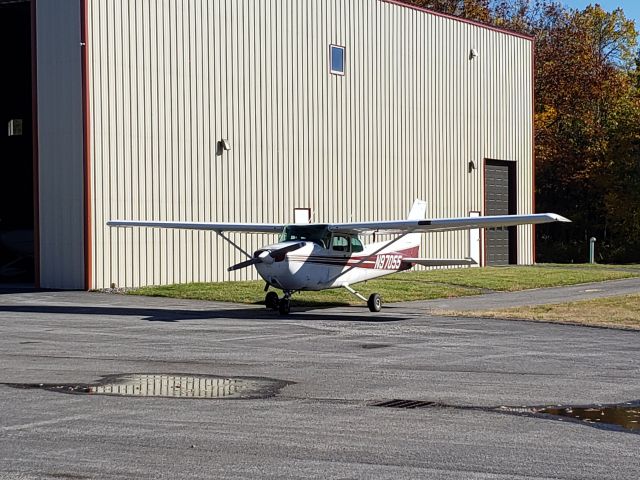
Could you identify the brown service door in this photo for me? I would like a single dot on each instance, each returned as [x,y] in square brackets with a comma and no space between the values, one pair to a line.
[500,199]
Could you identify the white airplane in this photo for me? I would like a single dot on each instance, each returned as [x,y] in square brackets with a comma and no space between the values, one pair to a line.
[322,256]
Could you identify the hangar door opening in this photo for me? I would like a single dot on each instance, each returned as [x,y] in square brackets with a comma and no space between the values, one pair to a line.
[16,147]
[500,199]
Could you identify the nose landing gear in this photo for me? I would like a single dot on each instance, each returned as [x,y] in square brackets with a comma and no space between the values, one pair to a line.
[283,305]
[271,301]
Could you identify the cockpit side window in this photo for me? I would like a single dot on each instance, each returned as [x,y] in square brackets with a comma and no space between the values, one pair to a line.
[356,245]
[340,243]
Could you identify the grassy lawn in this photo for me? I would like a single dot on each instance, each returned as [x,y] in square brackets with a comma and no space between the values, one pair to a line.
[391,290]
[511,279]
[629,266]
[619,312]
[407,286]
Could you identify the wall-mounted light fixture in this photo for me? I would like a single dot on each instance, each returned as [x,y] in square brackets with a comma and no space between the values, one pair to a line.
[473,54]
[222,146]
[472,166]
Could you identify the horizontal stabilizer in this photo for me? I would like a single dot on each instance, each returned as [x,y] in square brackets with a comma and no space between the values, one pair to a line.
[440,262]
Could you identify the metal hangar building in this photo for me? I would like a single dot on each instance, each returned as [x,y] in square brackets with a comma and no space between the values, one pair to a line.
[244,111]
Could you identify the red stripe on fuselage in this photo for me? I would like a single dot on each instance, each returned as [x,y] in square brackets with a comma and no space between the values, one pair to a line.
[358,261]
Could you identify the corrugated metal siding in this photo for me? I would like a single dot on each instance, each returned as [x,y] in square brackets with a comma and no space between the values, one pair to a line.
[60,143]
[171,78]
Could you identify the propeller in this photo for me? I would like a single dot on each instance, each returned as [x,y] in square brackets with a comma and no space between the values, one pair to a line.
[267,256]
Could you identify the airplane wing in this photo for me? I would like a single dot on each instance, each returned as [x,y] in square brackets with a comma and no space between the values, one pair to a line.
[445,224]
[385,227]
[440,262]
[214,227]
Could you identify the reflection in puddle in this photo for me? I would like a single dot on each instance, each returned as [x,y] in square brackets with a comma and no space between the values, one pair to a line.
[626,416]
[170,386]
[181,386]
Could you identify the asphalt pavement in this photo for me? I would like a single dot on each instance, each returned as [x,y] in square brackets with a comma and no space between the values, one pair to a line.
[338,362]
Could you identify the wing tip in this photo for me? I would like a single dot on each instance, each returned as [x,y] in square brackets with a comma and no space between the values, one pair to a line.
[559,218]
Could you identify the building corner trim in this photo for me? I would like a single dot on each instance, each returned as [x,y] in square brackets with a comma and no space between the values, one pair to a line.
[86,125]
[34,140]
[533,146]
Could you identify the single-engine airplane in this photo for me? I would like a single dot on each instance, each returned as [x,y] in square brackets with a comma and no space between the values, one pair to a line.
[323,256]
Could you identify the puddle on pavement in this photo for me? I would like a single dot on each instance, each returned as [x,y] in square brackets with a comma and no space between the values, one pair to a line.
[170,386]
[626,416]
[623,417]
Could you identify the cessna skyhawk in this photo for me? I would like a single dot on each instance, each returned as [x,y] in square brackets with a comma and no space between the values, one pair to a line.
[322,256]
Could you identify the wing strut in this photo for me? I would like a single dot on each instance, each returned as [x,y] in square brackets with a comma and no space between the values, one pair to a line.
[233,244]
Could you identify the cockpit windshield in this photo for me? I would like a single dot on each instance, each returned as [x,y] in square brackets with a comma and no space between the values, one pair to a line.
[311,233]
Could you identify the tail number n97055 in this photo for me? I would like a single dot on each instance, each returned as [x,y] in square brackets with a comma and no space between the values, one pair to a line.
[388,262]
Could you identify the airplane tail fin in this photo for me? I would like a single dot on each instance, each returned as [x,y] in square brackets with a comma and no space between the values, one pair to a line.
[418,212]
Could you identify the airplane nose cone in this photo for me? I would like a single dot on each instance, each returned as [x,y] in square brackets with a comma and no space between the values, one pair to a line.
[265,256]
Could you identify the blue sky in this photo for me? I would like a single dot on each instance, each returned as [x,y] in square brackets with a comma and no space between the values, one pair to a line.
[631,7]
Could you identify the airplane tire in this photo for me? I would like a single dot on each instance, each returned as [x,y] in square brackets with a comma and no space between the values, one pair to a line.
[374,303]
[285,306]
[271,301]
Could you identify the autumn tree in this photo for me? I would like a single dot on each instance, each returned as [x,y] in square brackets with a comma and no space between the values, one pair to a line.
[478,10]
[587,119]
[584,94]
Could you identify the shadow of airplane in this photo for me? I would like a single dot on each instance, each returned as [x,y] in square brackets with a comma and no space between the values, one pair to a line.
[167,315]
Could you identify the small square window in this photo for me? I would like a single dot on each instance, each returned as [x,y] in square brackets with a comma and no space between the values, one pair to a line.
[336,57]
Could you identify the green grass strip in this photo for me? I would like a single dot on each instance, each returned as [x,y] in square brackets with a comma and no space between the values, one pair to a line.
[408,286]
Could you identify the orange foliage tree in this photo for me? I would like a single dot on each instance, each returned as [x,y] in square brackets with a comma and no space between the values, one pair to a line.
[472,9]
[586,100]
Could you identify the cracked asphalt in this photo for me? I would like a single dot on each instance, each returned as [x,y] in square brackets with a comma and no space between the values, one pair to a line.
[322,425]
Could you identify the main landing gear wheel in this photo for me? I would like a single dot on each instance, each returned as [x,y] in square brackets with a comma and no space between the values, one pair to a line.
[374,303]
[271,301]
[285,306]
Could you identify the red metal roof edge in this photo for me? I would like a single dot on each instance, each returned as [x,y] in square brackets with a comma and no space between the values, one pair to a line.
[403,3]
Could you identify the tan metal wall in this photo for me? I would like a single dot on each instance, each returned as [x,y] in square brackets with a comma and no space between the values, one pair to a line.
[60,144]
[170,78]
